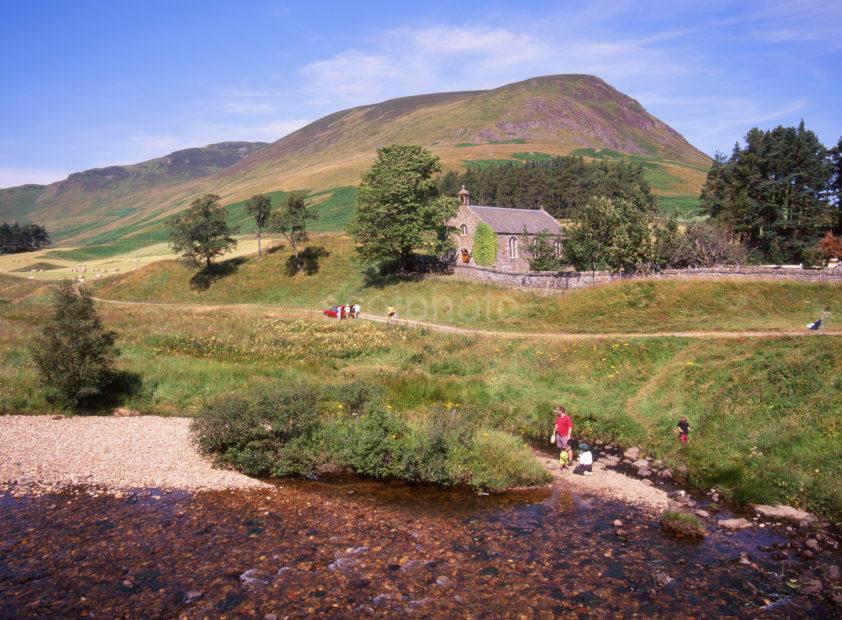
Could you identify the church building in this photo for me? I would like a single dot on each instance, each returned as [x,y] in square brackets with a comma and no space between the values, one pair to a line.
[508,224]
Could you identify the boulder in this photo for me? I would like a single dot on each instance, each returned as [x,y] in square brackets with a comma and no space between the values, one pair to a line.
[641,463]
[734,524]
[812,544]
[632,453]
[779,511]
[665,474]
[702,513]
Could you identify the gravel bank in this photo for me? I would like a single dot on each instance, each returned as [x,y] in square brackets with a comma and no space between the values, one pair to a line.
[609,484]
[42,453]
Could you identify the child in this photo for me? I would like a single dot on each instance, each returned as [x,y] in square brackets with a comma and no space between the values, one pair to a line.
[563,459]
[683,430]
[585,459]
[392,314]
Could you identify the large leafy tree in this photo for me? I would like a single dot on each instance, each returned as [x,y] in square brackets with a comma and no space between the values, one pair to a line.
[612,234]
[27,238]
[397,207]
[74,353]
[259,207]
[773,192]
[200,232]
[291,221]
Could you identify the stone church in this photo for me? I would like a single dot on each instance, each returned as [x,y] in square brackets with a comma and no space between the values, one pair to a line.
[509,224]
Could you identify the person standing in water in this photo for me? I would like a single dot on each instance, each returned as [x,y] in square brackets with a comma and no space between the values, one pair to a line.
[563,432]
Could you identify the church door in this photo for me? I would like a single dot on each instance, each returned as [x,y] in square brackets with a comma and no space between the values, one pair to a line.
[465,256]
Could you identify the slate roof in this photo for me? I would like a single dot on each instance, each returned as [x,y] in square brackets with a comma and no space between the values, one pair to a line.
[512,221]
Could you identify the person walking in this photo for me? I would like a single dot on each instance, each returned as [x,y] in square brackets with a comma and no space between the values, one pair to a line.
[683,430]
[392,314]
[563,432]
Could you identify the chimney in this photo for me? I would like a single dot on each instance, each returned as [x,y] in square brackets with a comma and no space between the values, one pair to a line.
[464,197]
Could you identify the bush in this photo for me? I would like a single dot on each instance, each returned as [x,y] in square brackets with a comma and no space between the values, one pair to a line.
[375,445]
[74,353]
[497,461]
[268,430]
[358,396]
[432,450]
[485,246]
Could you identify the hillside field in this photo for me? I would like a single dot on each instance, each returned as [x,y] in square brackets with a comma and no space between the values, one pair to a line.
[764,412]
[638,306]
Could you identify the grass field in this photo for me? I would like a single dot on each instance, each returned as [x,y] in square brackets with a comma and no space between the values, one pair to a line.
[764,413]
[639,306]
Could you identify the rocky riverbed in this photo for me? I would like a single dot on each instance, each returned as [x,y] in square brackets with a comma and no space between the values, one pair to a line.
[350,548]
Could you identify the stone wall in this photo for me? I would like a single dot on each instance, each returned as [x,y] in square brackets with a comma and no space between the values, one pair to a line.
[565,280]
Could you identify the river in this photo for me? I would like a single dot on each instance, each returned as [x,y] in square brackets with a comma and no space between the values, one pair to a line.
[352,548]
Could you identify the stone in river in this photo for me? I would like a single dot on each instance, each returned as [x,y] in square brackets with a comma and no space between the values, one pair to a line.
[780,511]
[641,464]
[812,543]
[813,586]
[632,453]
[192,595]
[663,579]
[734,524]
[702,513]
[618,523]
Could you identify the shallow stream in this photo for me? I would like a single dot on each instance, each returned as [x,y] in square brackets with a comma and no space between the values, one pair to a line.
[353,548]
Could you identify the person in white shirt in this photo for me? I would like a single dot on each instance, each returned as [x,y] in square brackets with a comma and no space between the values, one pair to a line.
[357,309]
[585,459]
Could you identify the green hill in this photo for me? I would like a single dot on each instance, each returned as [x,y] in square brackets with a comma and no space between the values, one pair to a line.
[536,118]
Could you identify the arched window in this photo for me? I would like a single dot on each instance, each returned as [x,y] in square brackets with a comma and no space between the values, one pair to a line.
[464,229]
[557,246]
[513,247]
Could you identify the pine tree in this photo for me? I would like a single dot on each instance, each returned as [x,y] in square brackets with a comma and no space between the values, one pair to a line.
[74,353]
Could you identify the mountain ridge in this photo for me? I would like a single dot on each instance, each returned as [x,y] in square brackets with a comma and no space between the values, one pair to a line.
[537,117]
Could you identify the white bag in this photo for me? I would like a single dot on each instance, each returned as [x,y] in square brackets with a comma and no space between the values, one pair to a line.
[552,438]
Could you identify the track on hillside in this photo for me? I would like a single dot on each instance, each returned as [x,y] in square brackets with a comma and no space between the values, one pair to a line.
[292,312]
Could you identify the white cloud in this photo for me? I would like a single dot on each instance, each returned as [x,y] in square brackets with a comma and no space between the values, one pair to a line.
[408,61]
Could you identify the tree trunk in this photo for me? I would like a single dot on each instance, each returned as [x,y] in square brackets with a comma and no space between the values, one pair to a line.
[259,253]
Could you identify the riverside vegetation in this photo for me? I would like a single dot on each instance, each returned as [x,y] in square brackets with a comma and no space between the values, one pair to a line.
[764,411]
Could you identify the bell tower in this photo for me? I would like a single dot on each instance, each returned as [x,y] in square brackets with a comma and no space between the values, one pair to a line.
[464,197]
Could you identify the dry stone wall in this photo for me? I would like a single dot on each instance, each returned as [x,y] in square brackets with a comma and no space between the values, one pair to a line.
[565,280]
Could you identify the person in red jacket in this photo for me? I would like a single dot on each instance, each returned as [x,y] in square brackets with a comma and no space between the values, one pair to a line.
[563,431]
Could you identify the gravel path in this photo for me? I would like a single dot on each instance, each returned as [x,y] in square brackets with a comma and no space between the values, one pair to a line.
[43,453]
[609,484]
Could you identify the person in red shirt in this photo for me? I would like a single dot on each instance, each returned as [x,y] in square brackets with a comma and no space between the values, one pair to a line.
[563,431]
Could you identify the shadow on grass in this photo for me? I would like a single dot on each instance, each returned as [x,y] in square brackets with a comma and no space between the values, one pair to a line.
[122,385]
[307,261]
[203,279]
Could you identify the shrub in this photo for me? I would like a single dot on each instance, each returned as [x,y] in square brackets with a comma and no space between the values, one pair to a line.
[74,353]
[358,395]
[485,246]
[497,461]
[543,251]
[268,430]
[432,449]
[375,445]
[831,245]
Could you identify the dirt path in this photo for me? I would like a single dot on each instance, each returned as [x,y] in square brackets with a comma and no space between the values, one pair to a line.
[608,484]
[291,312]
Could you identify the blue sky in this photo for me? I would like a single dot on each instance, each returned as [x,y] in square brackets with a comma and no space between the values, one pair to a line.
[91,83]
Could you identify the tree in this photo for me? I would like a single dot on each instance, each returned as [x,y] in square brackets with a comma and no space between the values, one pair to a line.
[259,207]
[831,245]
[74,353]
[774,192]
[397,210]
[291,221]
[484,250]
[610,234]
[200,232]
[543,251]
[27,238]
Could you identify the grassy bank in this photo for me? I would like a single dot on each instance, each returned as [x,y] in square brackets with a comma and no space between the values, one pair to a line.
[764,412]
[642,306]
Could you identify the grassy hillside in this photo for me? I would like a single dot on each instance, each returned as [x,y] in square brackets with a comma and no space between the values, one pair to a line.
[549,116]
[641,306]
[763,412]
[102,204]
